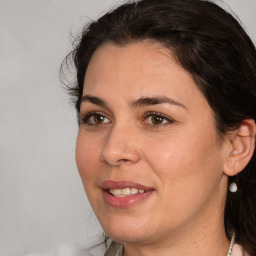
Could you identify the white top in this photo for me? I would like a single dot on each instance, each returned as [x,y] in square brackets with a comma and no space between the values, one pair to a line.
[72,249]
[238,251]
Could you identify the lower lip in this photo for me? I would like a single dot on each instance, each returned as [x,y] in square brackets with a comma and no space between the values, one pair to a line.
[126,201]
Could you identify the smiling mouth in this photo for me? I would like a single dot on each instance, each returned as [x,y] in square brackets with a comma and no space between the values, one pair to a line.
[125,192]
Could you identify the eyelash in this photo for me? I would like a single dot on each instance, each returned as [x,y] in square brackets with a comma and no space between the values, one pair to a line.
[86,119]
[157,114]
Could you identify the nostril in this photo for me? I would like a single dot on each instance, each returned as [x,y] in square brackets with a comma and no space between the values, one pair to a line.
[123,160]
[118,151]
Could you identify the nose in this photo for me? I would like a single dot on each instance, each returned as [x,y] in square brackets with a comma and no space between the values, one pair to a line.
[120,147]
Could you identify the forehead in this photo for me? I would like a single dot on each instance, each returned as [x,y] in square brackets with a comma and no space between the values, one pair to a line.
[138,69]
[143,56]
[144,60]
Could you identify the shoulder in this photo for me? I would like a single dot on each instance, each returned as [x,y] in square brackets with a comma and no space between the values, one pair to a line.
[115,249]
[238,251]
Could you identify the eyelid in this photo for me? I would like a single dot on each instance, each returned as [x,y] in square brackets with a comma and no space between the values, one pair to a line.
[85,117]
[152,113]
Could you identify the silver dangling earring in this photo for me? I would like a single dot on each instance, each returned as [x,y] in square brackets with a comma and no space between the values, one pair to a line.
[233,187]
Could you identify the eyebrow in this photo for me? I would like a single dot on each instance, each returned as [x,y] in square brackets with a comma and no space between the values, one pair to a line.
[143,101]
[94,100]
[148,101]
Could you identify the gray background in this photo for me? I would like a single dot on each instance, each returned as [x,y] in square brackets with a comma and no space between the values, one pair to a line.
[42,202]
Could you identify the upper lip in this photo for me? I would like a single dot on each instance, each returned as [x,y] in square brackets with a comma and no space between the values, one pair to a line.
[112,184]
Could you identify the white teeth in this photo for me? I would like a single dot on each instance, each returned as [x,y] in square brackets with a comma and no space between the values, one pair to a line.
[134,191]
[116,192]
[125,191]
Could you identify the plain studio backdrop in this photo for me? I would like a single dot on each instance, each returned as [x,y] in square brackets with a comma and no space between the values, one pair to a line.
[42,201]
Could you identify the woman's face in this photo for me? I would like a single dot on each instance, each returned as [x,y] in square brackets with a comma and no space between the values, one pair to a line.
[147,149]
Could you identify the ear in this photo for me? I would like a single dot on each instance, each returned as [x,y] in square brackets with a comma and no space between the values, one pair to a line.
[242,142]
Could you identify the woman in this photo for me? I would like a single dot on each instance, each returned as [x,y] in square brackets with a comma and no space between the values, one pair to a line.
[166,99]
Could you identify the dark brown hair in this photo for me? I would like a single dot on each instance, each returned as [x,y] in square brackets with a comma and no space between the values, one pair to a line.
[213,47]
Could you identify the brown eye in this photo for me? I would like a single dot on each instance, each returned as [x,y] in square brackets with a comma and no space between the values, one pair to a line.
[157,119]
[95,119]
[98,119]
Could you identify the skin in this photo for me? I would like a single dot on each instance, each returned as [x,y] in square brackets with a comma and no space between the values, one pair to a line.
[181,158]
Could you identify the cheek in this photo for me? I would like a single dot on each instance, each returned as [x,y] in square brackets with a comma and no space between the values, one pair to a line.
[89,167]
[185,158]
[167,154]
[187,171]
[86,155]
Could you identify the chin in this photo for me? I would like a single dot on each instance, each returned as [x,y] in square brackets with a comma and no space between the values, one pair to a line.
[127,230]
[128,237]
